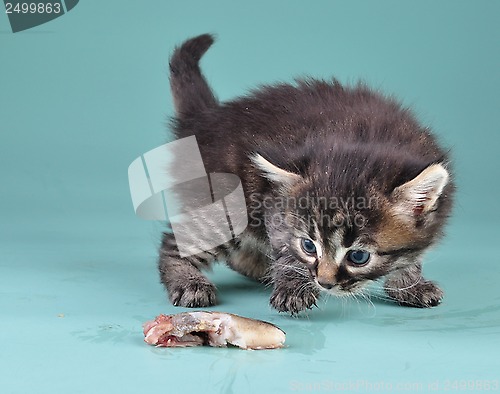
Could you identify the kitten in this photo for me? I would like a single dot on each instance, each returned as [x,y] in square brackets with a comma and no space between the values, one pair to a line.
[343,187]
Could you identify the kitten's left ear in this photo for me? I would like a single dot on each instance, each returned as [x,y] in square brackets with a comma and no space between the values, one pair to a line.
[274,173]
[419,196]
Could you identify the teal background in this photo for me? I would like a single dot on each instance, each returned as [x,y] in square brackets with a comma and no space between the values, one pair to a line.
[84,95]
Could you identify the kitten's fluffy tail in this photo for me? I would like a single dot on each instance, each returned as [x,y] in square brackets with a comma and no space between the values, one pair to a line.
[190,90]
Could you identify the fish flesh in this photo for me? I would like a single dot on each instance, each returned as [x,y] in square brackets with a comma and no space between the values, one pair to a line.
[213,329]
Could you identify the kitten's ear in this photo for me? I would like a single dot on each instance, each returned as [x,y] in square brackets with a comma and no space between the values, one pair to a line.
[419,196]
[274,173]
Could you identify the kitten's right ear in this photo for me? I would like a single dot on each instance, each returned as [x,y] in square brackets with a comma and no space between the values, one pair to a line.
[274,173]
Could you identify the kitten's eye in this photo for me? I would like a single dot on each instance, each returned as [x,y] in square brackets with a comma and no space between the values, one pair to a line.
[358,257]
[308,246]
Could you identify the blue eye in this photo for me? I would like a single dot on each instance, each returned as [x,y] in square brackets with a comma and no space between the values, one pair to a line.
[358,257]
[308,246]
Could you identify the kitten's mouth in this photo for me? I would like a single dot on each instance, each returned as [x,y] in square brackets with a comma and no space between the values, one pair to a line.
[340,290]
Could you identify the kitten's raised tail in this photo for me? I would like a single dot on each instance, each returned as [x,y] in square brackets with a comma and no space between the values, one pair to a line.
[190,90]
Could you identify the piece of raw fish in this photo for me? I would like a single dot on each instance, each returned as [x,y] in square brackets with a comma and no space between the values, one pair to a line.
[212,329]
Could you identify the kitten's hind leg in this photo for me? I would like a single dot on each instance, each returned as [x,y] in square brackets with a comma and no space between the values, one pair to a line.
[185,283]
[409,288]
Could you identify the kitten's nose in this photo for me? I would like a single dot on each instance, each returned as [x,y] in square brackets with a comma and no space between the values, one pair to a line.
[325,285]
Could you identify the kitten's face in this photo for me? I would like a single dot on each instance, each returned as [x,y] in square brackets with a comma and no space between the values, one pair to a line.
[343,242]
[336,246]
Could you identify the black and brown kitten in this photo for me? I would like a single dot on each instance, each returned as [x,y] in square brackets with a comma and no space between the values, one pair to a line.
[343,186]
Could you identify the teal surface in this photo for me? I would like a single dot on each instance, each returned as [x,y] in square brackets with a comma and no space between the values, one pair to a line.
[85,94]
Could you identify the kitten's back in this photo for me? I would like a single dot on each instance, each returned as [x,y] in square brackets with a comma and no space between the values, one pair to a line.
[289,123]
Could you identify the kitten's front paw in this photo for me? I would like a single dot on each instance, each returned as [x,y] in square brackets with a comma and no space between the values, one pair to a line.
[288,300]
[193,294]
[425,294]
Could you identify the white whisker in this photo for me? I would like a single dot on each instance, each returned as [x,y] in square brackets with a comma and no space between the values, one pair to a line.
[405,288]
